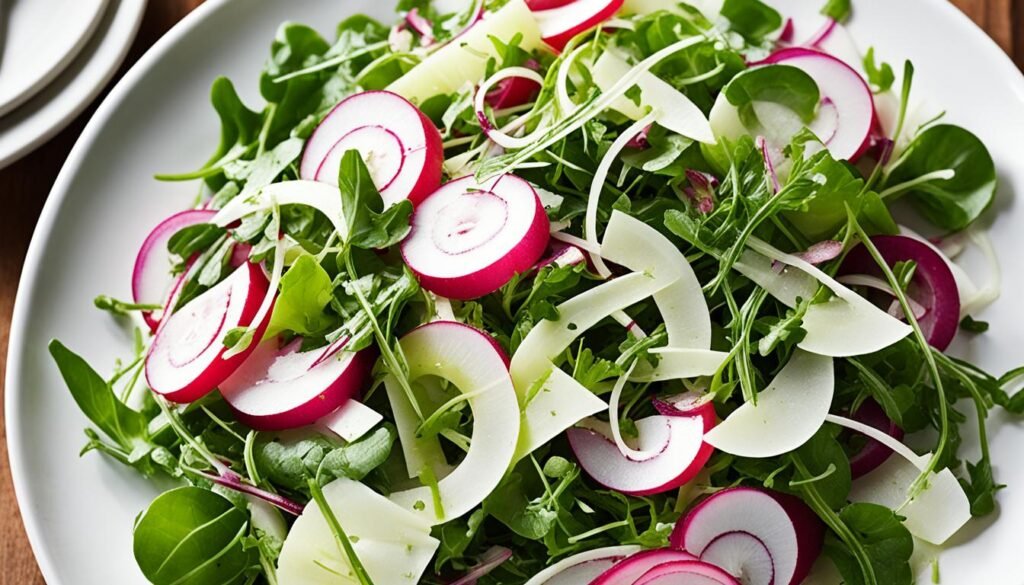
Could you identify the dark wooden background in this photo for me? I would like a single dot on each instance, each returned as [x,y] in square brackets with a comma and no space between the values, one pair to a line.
[24,186]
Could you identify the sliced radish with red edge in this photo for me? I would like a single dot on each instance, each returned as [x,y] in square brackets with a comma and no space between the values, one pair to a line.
[631,568]
[469,239]
[151,278]
[872,453]
[514,91]
[743,556]
[687,404]
[558,25]
[842,89]
[186,361]
[670,452]
[582,568]
[280,388]
[789,530]
[686,573]
[400,146]
[933,285]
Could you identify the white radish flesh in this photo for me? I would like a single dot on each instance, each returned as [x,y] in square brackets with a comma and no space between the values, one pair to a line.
[151,277]
[581,568]
[394,545]
[465,60]
[686,573]
[468,359]
[468,239]
[743,556]
[673,109]
[670,451]
[280,388]
[631,568]
[559,25]
[788,529]
[400,146]
[186,359]
[787,413]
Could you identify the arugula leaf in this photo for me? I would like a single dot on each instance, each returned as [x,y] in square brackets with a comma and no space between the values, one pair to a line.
[509,504]
[306,290]
[194,238]
[782,84]
[825,459]
[192,535]
[951,204]
[357,459]
[880,76]
[370,225]
[97,401]
[289,462]
[837,10]
[752,19]
[886,541]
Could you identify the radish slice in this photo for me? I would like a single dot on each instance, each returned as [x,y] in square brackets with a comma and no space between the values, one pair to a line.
[631,568]
[516,90]
[686,573]
[186,359]
[873,453]
[393,545]
[936,514]
[674,110]
[835,39]
[151,278]
[933,286]
[448,69]
[401,147]
[743,556]
[583,567]
[787,413]
[687,404]
[559,25]
[788,530]
[845,325]
[468,359]
[538,5]
[280,388]
[848,93]
[351,421]
[670,452]
[468,239]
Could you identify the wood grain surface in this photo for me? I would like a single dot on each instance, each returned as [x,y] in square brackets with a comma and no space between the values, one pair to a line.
[24,186]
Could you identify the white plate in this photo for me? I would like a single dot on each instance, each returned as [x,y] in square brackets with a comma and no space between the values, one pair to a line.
[79,512]
[63,98]
[38,38]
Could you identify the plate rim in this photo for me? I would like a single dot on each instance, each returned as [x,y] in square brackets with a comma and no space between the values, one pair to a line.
[50,128]
[31,90]
[16,351]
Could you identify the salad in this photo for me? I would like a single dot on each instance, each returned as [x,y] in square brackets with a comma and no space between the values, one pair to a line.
[561,292]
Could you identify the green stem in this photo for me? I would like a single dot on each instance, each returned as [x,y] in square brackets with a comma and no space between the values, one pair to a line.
[340,538]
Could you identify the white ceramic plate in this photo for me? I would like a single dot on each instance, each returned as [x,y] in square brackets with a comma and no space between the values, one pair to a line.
[38,38]
[66,95]
[79,512]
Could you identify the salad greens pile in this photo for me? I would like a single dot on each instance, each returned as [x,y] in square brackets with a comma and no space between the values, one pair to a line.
[241,488]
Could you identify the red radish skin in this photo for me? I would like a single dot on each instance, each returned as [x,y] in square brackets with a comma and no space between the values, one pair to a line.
[843,89]
[400,145]
[933,285]
[686,573]
[789,529]
[151,277]
[687,404]
[558,25]
[185,361]
[538,5]
[281,388]
[675,455]
[873,453]
[514,91]
[631,568]
[469,239]
[743,556]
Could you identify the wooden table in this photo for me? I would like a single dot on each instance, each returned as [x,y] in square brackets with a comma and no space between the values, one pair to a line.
[24,186]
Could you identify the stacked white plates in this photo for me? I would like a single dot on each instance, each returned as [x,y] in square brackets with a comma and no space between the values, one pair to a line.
[55,57]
